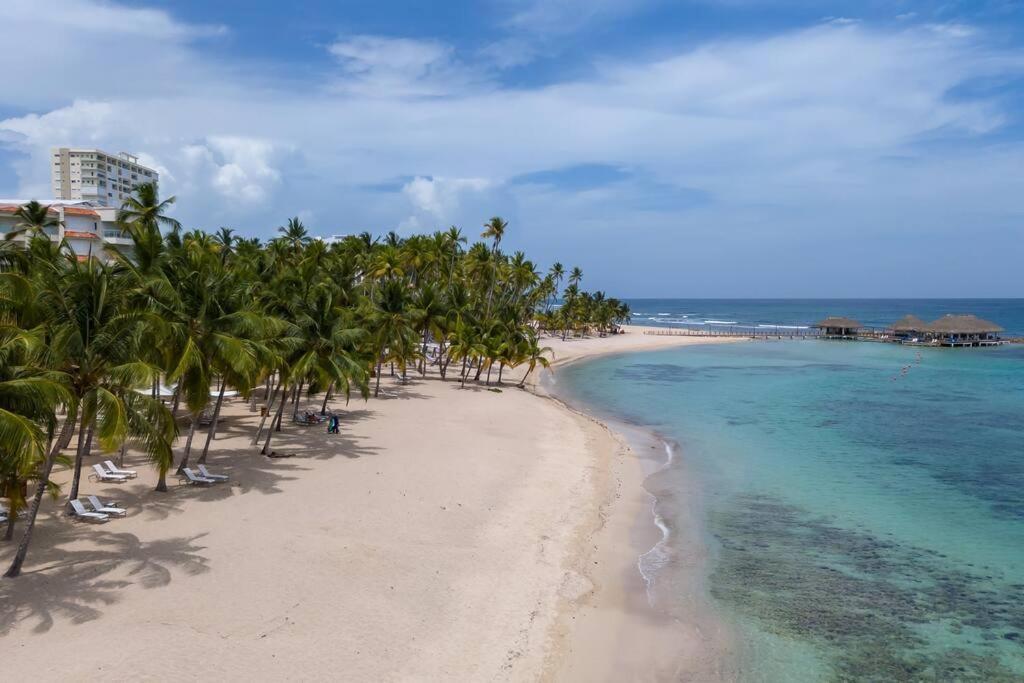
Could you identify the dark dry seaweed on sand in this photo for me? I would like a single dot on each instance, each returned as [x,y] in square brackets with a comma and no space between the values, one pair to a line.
[859,597]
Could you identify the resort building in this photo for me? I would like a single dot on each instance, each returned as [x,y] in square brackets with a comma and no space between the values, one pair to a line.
[95,176]
[910,327]
[89,230]
[964,330]
[834,327]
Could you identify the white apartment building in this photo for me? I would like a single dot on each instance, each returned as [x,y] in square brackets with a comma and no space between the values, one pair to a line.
[95,176]
[88,229]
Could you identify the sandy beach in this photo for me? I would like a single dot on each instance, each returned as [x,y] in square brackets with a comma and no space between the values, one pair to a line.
[445,534]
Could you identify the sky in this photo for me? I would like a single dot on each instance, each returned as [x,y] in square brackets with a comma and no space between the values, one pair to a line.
[690,148]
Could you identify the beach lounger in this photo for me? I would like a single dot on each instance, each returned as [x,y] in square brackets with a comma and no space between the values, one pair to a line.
[106,508]
[102,475]
[82,513]
[206,473]
[192,478]
[114,469]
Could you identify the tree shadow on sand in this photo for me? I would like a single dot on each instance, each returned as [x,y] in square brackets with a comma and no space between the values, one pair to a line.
[74,585]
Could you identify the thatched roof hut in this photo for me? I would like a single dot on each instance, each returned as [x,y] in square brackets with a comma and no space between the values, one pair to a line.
[909,323]
[962,324]
[837,323]
[835,327]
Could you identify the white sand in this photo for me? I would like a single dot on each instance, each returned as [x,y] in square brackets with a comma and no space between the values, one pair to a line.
[446,534]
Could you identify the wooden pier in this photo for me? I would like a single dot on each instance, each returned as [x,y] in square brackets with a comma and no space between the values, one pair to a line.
[737,332]
[951,331]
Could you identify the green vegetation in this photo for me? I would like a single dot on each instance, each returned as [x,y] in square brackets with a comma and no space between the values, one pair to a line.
[85,346]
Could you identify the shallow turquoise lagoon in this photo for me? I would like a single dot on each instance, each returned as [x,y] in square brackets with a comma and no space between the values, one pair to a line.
[865,502]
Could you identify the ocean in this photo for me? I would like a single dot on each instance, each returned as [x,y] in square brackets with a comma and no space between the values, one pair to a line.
[740,314]
[864,503]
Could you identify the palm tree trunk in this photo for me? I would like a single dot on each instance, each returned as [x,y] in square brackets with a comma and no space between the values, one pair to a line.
[9,534]
[465,372]
[376,391]
[327,396]
[33,510]
[501,369]
[120,456]
[80,454]
[67,431]
[212,434]
[177,399]
[270,432]
[522,382]
[298,393]
[489,366]
[188,443]
[263,420]
[276,423]
[423,360]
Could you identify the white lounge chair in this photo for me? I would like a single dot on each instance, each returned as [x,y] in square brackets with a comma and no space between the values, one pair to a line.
[206,473]
[82,513]
[106,508]
[192,478]
[114,469]
[102,475]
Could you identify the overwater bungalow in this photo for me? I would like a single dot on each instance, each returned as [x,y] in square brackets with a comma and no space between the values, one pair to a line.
[963,330]
[834,327]
[910,328]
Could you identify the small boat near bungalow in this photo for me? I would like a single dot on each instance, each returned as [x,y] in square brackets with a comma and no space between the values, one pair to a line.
[951,330]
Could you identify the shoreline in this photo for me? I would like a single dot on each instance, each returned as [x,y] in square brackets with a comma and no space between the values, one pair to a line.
[618,630]
[446,534]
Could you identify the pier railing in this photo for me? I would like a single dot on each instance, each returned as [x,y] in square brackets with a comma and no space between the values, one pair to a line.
[739,332]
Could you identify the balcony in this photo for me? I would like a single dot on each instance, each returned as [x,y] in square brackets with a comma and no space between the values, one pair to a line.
[116,237]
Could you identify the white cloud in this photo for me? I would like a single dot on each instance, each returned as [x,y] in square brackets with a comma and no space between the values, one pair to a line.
[812,132]
[567,16]
[399,67]
[71,49]
[438,202]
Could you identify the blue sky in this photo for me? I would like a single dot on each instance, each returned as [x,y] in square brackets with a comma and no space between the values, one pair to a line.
[684,148]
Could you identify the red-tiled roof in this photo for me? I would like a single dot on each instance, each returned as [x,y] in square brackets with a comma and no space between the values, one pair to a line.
[81,234]
[79,211]
[68,210]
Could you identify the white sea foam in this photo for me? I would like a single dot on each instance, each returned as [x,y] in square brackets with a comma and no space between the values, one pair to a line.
[720,322]
[657,557]
[785,327]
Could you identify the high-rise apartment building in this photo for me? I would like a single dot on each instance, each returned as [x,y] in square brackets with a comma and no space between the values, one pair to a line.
[93,175]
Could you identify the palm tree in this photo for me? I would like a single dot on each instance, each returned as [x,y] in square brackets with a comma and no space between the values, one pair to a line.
[494,229]
[576,276]
[29,398]
[534,355]
[145,209]
[294,234]
[97,343]
[429,314]
[391,327]
[32,219]
[556,274]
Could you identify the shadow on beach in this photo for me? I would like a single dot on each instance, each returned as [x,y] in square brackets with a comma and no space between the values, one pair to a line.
[74,585]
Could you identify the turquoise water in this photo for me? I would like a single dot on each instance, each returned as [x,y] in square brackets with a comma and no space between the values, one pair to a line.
[864,502]
[761,314]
